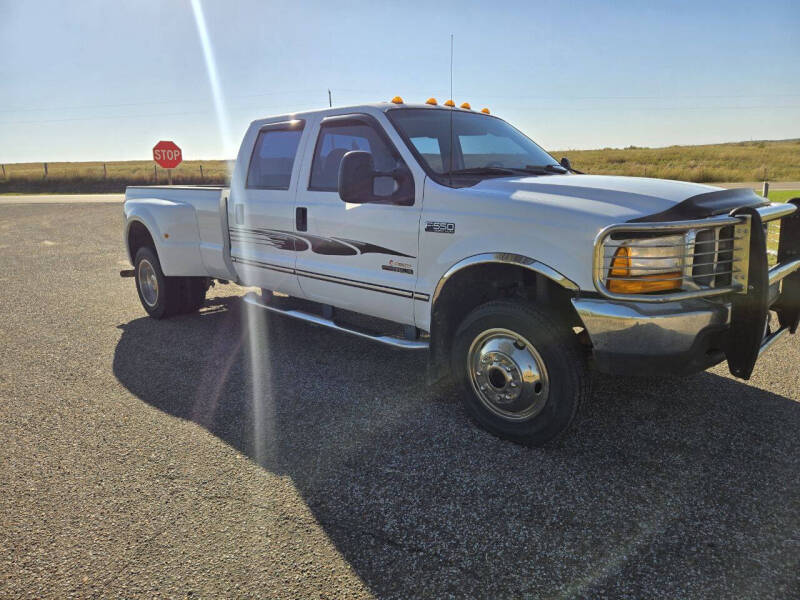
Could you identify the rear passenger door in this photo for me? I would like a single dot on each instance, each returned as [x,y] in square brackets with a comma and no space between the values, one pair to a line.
[362,257]
[261,216]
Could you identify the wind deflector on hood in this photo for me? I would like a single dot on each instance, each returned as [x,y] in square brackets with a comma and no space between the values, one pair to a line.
[705,205]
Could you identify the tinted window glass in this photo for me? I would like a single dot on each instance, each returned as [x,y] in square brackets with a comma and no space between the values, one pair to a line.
[480,140]
[336,140]
[273,158]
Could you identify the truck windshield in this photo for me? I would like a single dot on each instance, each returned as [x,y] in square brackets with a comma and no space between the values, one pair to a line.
[483,146]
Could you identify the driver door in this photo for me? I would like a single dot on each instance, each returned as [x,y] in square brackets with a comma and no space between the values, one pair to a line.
[362,257]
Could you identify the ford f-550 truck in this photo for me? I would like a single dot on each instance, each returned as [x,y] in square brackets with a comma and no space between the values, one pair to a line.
[459,235]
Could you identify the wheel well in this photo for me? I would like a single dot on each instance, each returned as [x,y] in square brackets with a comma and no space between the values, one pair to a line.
[138,237]
[472,286]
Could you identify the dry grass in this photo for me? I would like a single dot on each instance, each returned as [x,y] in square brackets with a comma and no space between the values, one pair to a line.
[87,177]
[742,161]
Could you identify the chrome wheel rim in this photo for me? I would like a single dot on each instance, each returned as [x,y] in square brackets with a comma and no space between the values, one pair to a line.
[508,374]
[148,282]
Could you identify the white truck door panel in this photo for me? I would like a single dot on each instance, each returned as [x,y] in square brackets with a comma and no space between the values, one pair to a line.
[261,215]
[361,257]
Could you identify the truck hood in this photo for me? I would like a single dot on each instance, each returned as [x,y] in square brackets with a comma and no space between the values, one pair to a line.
[606,198]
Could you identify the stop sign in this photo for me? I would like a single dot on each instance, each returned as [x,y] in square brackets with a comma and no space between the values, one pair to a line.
[167,155]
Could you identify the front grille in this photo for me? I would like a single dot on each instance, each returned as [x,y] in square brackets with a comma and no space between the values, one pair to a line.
[712,260]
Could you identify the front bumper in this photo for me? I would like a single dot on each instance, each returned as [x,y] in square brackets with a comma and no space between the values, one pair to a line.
[684,333]
[649,339]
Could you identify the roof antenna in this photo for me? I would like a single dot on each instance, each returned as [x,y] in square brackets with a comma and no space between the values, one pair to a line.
[330,102]
[451,110]
[451,66]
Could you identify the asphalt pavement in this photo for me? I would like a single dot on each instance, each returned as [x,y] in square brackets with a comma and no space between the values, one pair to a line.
[236,454]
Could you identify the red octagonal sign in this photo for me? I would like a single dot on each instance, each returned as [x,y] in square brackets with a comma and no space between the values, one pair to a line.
[167,154]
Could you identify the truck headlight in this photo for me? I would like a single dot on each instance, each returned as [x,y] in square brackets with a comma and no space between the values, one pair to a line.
[646,265]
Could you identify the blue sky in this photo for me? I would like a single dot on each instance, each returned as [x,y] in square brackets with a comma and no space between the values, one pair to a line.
[100,80]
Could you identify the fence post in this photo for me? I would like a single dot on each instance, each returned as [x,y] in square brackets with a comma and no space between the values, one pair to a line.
[105,173]
[169,176]
[4,171]
[155,174]
[201,172]
[45,170]
[765,190]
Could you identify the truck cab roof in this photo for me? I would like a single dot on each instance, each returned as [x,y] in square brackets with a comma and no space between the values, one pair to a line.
[370,108]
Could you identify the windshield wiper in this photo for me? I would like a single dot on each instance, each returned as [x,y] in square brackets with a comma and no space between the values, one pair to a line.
[481,171]
[544,169]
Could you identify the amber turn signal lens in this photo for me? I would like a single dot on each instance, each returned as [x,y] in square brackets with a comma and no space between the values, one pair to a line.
[638,284]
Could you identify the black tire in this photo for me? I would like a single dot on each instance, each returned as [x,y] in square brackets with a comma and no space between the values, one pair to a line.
[548,398]
[167,296]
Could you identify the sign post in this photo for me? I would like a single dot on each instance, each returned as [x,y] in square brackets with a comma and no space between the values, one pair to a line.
[168,156]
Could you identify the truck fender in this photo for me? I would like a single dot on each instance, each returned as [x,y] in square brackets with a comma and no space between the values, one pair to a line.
[504,258]
[443,325]
[173,227]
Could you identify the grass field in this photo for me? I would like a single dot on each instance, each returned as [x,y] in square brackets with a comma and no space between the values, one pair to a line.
[741,161]
[783,195]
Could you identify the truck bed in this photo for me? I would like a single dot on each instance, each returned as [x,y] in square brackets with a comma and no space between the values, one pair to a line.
[189,225]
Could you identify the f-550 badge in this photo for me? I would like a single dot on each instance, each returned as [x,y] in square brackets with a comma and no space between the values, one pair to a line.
[440,227]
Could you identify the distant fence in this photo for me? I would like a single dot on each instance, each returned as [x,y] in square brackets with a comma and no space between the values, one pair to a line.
[107,176]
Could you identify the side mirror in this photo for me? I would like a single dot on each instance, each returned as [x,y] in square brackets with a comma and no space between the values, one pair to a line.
[565,163]
[357,177]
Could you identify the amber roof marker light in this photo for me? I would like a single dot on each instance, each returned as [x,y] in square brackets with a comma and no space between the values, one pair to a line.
[485,111]
[431,101]
[397,100]
[466,106]
[449,103]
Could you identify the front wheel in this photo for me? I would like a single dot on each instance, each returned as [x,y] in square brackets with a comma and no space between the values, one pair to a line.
[522,372]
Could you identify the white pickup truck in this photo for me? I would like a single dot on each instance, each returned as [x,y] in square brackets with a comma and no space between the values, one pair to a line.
[459,235]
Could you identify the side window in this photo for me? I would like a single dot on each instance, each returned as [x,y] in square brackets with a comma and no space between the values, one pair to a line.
[273,158]
[337,139]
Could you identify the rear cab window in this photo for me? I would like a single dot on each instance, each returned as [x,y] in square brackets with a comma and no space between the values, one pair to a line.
[273,156]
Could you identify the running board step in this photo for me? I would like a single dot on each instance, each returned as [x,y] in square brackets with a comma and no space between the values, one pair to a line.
[255,300]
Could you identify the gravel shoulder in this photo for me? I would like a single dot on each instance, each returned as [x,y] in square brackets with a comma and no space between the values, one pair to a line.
[235,454]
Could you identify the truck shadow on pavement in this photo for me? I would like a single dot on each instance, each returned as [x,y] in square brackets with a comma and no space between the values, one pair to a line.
[686,487]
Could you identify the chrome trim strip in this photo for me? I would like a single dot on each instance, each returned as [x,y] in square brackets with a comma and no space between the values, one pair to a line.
[779,272]
[768,341]
[252,299]
[510,259]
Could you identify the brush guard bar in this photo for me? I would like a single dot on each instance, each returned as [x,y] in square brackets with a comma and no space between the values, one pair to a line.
[738,253]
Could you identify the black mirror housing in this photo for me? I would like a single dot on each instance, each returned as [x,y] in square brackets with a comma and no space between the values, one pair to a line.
[565,163]
[356,177]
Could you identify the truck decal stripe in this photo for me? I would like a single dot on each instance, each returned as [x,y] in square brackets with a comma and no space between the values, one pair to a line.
[286,240]
[332,279]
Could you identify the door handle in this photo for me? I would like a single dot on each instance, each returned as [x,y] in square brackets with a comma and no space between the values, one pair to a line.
[301,218]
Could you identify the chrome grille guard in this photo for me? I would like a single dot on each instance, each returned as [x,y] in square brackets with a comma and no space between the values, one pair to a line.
[705,272]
